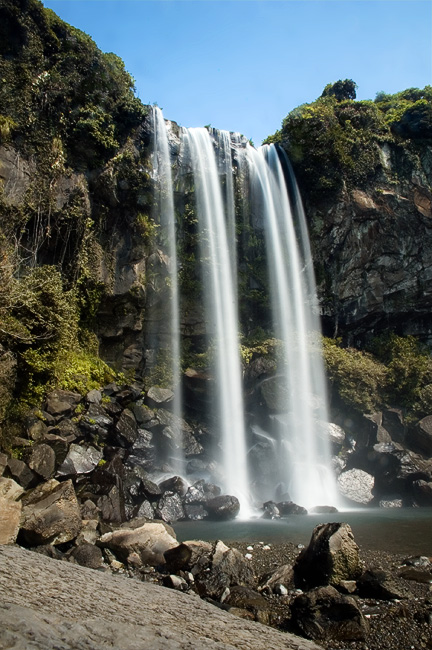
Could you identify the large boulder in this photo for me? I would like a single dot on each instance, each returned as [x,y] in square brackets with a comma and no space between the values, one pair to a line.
[80,460]
[51,514]
[223,507]
[224,568]
[356,485]
[149,541]
[382,585]
[331,557]
[324,613]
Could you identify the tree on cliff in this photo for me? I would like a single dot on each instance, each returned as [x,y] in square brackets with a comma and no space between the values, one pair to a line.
[342,89]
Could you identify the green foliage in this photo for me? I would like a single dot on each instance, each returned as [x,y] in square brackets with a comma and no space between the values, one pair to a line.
[409,364]
[335,141]
[342,89]
[396,370]
[359,379]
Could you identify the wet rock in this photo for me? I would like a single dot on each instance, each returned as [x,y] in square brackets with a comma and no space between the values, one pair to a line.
[145,509]
[89,510]
[10,509]
[170,507]
[415,574]
[356,485]
[195,512]
[380,584]
[271,511]
[42,460]
[396,502]
[143,446]
[332,556]
[59,445]
[223,507]
[126,429]
[149,541]
[178,557]
[50,514]
[319,510]
[157,396]
[336,436]
[174,484]
[62,403]
[195,494]
[323,613]
[80,460]
[87,555]
[290,508]
[22,473]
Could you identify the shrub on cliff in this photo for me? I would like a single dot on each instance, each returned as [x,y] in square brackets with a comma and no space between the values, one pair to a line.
[335,141]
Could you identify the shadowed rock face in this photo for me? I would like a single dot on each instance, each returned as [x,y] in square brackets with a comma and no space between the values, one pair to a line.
[99,612]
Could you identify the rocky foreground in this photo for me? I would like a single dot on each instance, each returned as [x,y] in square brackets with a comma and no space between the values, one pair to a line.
[146,590]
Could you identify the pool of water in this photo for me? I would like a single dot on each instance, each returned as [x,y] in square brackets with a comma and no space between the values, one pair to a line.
[396,530]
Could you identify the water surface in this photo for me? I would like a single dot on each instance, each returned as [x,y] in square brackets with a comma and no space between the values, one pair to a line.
[406,531]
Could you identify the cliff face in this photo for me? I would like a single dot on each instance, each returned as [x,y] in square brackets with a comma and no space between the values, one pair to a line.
[374,254]
[365,173]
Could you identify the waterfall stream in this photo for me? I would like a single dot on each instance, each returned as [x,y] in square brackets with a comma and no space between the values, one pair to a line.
[223,166]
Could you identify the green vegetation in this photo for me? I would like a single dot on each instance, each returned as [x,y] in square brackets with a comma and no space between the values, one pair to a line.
[336,140]
[396,370]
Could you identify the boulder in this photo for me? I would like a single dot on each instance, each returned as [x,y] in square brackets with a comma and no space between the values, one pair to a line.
[174,484]
[393,423]
[170,507]
[223,507]
[157,396]
[420,436]
[42,460]
[94,396]
[145,509]
[227,568]
[62,403]
[51,514]
[22,473]
[10,509]
[284,575]
[324,613]
[80,460]
[271,511]
[149,541]
[290,508]
[243,597]
[380,584]
[356,485]
[126,429]
[87,555]
[332,556]
[195,512]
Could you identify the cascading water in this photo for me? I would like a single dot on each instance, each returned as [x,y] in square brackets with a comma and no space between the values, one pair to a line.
[221,309]
[223,166]
[302,462]
[166,213]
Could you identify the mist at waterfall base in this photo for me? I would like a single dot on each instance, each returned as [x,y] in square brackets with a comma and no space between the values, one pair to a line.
[221,166]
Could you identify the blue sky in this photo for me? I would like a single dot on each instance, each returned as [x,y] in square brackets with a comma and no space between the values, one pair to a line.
[242,65]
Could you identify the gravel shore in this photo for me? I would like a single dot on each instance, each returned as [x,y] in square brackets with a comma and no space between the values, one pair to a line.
[394,624]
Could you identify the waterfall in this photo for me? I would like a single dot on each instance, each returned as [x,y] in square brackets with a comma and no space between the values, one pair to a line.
[221,309]
[167,221]
[303,461]
[212,169]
